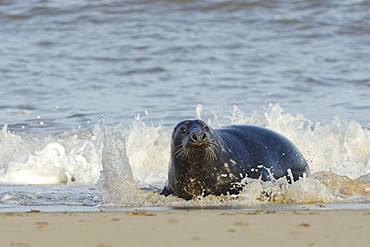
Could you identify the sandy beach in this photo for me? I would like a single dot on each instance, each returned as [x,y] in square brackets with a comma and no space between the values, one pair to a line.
[187,228]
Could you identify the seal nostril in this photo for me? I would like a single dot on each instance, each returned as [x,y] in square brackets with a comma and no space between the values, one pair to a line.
[198,137]
[204,136]
[194,137]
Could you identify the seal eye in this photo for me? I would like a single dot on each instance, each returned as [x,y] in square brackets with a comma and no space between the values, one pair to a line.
[182,130]
[206,128]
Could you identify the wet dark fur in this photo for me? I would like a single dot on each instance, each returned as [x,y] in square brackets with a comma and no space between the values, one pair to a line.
[208,161]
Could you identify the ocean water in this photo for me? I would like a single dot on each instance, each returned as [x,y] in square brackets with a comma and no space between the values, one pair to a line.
[91,90]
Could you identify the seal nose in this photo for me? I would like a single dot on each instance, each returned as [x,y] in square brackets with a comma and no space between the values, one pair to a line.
[198,136]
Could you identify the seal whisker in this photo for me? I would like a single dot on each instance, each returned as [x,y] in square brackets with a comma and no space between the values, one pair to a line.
[181,152]
[211,151]
[208,153]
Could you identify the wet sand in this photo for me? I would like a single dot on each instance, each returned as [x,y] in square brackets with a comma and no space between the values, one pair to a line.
[187,228]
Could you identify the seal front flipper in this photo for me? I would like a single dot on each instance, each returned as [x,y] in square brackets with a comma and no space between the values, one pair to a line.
[166,191]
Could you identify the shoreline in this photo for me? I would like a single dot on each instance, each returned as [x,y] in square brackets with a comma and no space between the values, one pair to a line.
[55,208]
[216,227]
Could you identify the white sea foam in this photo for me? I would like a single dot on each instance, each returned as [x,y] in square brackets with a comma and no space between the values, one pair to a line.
[337,151]
[69,158]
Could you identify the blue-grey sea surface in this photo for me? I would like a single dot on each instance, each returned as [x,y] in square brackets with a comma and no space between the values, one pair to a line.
[67,63]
